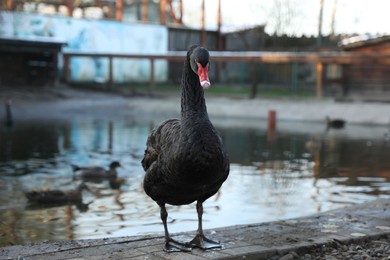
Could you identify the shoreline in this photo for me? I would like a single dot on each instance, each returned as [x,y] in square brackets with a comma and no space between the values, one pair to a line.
[74,102]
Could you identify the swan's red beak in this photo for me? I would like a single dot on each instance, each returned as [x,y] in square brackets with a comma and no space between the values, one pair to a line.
[203,73]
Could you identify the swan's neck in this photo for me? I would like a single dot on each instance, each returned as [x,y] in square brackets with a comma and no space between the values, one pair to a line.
[193,103]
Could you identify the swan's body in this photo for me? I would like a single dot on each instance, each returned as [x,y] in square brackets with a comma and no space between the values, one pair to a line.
[185,160]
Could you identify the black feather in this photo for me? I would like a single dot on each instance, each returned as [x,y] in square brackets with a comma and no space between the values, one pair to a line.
[185,160]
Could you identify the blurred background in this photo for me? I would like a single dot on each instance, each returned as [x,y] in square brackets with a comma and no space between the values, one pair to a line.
[42,38]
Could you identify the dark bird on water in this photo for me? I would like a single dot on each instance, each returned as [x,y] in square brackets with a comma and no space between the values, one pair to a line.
[8,114]
[96,173]
[185,160]
[57,196]
[334,123]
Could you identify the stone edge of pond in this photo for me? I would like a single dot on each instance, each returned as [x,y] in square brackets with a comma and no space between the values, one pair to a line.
[361,222]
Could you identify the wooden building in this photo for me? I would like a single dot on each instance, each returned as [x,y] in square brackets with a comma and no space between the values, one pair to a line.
[29,61]
[369,77]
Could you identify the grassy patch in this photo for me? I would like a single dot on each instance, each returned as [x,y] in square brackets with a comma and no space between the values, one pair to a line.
[285,93]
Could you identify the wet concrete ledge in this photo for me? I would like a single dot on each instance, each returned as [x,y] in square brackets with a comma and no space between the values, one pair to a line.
[369,220]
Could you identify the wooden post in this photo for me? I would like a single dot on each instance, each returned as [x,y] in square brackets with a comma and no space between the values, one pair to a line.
[272,119]
[181,11]
[56,74]
[319,79]
[110,72]
[254,81]
[144,11]
[9,5]
[110,13]
[163,11]
[118,10]
[66,68]
[271,130]
[152,82]
[294,77]
[69,7]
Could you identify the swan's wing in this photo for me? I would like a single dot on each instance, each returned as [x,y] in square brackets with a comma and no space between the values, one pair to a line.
[161,141]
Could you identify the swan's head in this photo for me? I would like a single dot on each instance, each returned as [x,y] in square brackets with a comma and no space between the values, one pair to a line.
[199,61]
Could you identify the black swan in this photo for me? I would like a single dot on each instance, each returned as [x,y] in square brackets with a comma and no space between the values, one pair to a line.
[335,123]
[95,172]
[185,159]
[57,196]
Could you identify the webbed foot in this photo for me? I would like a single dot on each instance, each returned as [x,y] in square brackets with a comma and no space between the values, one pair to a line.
[202,242]
[175,246]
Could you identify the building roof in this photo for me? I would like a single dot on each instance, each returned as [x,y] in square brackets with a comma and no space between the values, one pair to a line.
[33,39]
[31,44]
[363,40]
[242,29]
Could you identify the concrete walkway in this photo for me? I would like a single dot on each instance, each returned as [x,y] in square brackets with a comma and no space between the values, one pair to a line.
[258,241]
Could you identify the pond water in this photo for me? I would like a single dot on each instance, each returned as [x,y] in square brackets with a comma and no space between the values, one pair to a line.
[298,170]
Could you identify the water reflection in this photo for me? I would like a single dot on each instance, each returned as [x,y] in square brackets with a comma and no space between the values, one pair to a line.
[296,172]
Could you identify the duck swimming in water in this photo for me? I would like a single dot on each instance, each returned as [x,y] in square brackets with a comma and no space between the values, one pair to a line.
[96,173]
[57,196]
[334,123]
[185,160]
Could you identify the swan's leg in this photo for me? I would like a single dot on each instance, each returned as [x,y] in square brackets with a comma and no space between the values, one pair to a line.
[200,240]
[171,245]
